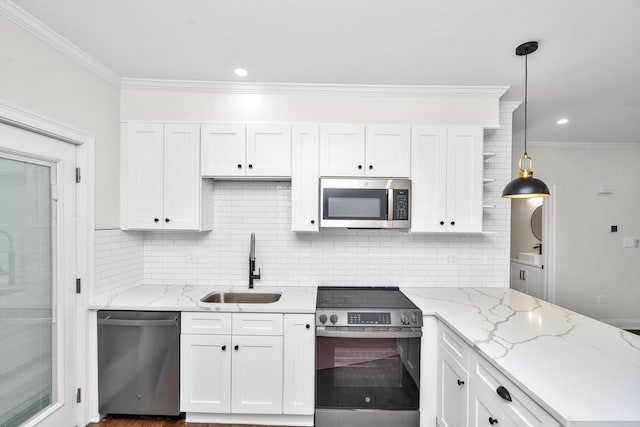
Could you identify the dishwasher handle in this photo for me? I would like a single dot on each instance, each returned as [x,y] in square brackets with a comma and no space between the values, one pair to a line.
[137,323]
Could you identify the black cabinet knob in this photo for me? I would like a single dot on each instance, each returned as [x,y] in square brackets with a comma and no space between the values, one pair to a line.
[224,347]
[460,382]
[370,167]
[155,220]
[236,347]
[307,326]
[453,223]
[313,221]
[503,393]
[441,222]
[493,421]
[167,220]
[359,166]
[250,166]
[239,166]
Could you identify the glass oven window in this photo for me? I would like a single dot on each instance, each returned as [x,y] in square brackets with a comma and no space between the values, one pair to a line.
[365,373]
[348,203]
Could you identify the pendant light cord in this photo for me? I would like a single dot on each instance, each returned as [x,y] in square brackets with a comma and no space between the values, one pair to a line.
[526,84]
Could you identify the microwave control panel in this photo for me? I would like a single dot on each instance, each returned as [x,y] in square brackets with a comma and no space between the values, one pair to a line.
[401,205]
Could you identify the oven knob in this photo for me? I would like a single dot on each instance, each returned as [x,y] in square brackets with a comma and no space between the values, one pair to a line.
[323,318]
[404,319]
[334,318]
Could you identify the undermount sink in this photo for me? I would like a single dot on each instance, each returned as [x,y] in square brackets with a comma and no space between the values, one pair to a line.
[531,257]
[241,298]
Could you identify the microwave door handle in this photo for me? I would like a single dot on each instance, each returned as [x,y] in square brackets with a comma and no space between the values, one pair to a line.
[390,204]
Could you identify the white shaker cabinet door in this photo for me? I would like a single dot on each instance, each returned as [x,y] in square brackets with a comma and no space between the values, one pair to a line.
[142,176]
[182,182]
[453,384]
[205,373]
[464,179]
[223,150]
[342,150]
[305,187]
[268,151]
[299,367]
[388,151]
[428,178]
[257,375]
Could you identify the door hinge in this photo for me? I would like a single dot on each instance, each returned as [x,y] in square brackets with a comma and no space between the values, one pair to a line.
[78,285]
[79,395]
[77,175]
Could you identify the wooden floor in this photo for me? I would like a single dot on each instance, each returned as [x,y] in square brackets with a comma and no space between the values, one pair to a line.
[128,421]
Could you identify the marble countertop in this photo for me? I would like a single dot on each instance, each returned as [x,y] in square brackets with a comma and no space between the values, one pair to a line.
[577,368]
[187,298]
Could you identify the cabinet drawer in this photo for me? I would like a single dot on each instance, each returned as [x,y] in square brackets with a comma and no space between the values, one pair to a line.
[206,323]
[450,342]
[521,409]
[257,324]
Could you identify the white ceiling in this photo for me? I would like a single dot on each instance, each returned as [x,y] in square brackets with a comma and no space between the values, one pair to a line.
[586,69]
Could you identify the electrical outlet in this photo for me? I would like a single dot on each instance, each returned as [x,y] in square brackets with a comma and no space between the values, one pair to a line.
[199,257]
[450,258]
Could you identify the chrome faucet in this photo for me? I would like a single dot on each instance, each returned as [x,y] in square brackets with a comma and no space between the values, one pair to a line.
[252,261]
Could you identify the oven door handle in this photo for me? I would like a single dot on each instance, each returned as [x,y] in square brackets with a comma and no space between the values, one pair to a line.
[341,333]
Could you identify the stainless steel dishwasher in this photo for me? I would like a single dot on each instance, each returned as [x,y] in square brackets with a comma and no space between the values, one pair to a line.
[139,362]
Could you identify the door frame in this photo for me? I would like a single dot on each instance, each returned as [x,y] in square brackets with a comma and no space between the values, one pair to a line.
[85,223]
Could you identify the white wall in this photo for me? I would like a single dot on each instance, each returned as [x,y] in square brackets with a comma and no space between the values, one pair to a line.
[38,78]
[591,261]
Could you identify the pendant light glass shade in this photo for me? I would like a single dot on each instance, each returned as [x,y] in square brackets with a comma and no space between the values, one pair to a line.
[525,185]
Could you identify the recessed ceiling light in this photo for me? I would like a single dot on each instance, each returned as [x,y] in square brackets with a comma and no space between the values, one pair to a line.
[562,121]
[241,72]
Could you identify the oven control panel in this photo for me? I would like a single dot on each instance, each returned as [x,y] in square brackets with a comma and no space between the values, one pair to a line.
[394,318]
[358,318]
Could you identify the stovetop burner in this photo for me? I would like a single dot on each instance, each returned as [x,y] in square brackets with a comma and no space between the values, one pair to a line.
[370,297]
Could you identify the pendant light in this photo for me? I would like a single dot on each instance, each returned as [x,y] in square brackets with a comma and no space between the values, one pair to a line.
[525,185]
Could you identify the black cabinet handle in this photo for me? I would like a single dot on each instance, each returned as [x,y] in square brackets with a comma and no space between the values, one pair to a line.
[239,166]
[166,220]
[453,223]
[236,347]
[370,167]
[493,421]
[250,166]
[155,220]
[224,347]
[441,222]
[460,382]
[503,393]
[359,166]
[313,221]
[307,326]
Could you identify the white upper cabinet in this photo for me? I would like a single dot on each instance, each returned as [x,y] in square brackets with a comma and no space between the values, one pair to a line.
[161,186]
[305,190]
[446,179]
[231,150]
[388,151]
[380,151]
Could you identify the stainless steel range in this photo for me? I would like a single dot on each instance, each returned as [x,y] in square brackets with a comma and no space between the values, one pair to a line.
[367,357]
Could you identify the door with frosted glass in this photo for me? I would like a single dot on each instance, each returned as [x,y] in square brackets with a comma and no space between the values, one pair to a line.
[37,267]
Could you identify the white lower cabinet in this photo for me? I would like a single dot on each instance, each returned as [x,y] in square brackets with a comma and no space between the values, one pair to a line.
[234,363]
[473,393]
[528,279]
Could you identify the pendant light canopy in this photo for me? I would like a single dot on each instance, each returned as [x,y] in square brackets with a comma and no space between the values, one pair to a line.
[525,185]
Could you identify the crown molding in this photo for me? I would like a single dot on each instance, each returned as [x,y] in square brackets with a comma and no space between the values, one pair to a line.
[315,88]
[18,117]
[34,26]
[509,106]
[580,145]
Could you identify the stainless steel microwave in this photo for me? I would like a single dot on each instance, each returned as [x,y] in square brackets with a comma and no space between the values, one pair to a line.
[365,203]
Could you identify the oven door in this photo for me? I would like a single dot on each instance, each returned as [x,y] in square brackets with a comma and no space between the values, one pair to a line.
[367,370]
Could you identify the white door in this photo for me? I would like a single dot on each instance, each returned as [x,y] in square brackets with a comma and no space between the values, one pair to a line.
[299,366]
[38,332]
[388,151]
[305,188]
[452,405]
[223,150]
[269,150]
[341,150]
[256,372]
